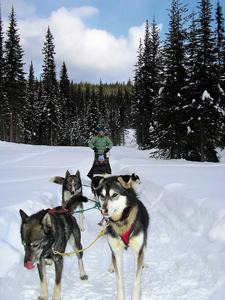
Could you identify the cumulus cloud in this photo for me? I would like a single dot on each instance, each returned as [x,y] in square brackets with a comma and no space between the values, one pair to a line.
[90,54]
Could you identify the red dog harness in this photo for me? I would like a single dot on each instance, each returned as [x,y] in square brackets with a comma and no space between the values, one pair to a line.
[125,236]
[52,211]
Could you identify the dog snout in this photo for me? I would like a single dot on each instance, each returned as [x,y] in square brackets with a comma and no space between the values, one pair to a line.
[104,211]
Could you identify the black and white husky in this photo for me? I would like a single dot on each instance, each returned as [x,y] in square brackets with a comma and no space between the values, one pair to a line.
[72,195]
[128,227]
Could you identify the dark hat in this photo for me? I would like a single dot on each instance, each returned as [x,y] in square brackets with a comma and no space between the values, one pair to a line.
[101,129]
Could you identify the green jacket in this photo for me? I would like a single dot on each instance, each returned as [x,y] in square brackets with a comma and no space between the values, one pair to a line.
[101,143]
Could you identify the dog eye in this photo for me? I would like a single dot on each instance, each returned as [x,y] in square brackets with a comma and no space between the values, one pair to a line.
[114,195]
[101,196]
[34,246]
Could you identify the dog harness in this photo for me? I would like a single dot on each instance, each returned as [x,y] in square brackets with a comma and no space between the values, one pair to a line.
[125,236]
[53,210]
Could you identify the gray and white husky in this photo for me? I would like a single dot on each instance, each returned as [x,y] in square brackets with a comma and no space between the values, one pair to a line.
[129,220]
[43,231]
[72,196]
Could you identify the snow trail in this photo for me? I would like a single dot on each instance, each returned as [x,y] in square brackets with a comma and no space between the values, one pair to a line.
[185,201]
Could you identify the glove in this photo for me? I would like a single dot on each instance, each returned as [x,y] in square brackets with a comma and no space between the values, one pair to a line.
[95,149]
[106,150]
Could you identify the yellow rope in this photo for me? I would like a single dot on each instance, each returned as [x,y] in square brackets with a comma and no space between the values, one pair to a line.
[68,254]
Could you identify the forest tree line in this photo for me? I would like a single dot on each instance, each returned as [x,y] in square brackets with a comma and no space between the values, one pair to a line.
[175,103]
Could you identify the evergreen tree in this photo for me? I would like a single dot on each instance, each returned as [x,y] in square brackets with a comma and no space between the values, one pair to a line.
[2,100]
[147,82]
[14,80]
[30,114]
[50,91]
[64,106]
[220,52]
[220,45]
[205,108]
[170,114]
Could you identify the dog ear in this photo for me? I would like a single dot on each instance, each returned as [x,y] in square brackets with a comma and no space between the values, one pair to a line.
[47,223]
[24,216]
[78,174]
[125,180]
[67,174]
[97,181]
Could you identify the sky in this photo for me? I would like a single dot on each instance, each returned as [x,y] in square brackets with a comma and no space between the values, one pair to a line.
[186,236]
[96,38]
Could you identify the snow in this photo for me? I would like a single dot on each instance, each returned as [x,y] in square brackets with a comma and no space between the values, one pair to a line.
[186,241]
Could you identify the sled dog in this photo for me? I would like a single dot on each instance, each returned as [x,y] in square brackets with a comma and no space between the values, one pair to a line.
[130,180]
[72,196]
[128,219]
[44,232]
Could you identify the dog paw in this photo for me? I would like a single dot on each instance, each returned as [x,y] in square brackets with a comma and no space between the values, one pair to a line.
[100,224]
[42,298]
[111,270]
[84,277]
[82,229]
[48,262]
[145,266]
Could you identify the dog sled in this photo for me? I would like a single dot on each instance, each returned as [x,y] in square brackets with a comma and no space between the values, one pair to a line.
[101,166]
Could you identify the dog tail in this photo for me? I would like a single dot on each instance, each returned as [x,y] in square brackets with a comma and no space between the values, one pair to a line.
[57,179]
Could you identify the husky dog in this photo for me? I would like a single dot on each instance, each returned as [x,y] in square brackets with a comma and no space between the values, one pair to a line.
[44,232]
[72,193]
[128,219]
[129,180]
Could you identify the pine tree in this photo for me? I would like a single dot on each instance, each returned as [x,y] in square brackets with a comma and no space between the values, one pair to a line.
[50,91]
[14,80]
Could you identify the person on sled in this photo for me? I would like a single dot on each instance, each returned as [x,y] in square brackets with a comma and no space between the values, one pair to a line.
[101,144]
[101,167]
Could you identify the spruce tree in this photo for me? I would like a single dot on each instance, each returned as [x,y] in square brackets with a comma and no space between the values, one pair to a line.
[220,53]
[2,100]
[50,91]
[170,113]
[205,105]
[64,106]
[30,115]
[220,44]
[147,81]
[14,79]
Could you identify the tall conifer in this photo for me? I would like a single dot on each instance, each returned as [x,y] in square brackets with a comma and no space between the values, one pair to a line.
[14,80]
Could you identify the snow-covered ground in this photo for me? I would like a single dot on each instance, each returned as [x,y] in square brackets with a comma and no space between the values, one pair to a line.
[186,241]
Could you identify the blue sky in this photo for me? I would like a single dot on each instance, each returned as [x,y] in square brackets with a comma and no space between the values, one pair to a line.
[96,38]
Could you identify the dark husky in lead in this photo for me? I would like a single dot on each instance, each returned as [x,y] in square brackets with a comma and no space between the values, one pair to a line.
[72,196]
[128,219]
[45,232]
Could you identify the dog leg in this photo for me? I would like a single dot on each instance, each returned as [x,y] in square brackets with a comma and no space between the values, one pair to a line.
[75,243]
[117,250]
[101,222]
[111,268]
[138,263]
[81,217]
[42,275]
[58,260]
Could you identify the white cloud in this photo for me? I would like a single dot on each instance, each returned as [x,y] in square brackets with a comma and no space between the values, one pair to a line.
[89,53]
